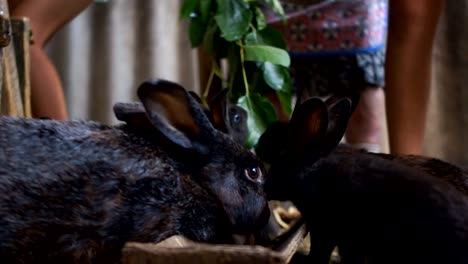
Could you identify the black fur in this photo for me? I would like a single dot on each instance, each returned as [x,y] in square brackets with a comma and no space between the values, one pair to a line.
[376,208]
[76,191]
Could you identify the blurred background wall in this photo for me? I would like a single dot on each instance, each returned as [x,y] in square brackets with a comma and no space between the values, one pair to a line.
[109,49]
[447,127]
[105,53]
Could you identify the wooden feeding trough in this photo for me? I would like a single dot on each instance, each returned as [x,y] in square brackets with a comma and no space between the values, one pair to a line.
[178,250]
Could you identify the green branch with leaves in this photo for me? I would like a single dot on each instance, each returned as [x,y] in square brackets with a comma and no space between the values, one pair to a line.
[258,62]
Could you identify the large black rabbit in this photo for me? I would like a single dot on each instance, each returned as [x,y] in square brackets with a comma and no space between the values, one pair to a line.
[224,116]
[76,191]
[374,207]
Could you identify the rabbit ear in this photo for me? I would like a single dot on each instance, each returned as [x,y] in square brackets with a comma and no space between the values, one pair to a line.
[200,102]
[175,114]
[134,114]
[338,117]
[309,125]
[196,97]
[354,98]
[218,107]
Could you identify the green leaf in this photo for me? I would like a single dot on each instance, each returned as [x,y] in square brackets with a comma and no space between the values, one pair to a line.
[213,44]
[233,62]
[209,39]
[260,18]
[277,7]
[235,82]
[258,84]
[268,36]
[276,76]
[233,18]
[196,32]
[205,6]
[265,53]
[189,7]
[285,99]
[261,114]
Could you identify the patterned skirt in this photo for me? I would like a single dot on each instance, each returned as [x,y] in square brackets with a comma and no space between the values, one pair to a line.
[336,46]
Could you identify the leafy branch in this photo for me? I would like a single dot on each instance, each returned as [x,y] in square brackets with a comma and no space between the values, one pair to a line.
[258,62]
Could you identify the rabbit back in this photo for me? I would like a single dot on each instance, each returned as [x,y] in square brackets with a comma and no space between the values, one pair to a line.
[66,192]
[457,176]
[383,209]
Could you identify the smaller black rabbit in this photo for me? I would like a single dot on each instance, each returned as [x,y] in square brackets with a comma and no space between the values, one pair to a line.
[228,117]
[76,191]
[376,208]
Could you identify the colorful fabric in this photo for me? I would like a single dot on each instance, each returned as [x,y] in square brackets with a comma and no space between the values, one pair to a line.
[333,27]
[339,75]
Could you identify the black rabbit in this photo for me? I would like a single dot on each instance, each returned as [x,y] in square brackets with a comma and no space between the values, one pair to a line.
[376,208]
[76,191]
[226,117]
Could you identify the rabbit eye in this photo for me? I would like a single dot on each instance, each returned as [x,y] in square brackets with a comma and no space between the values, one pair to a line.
[254,174]
[236,118]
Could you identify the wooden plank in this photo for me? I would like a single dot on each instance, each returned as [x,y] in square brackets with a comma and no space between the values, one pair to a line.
[11,102]
[21,41]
